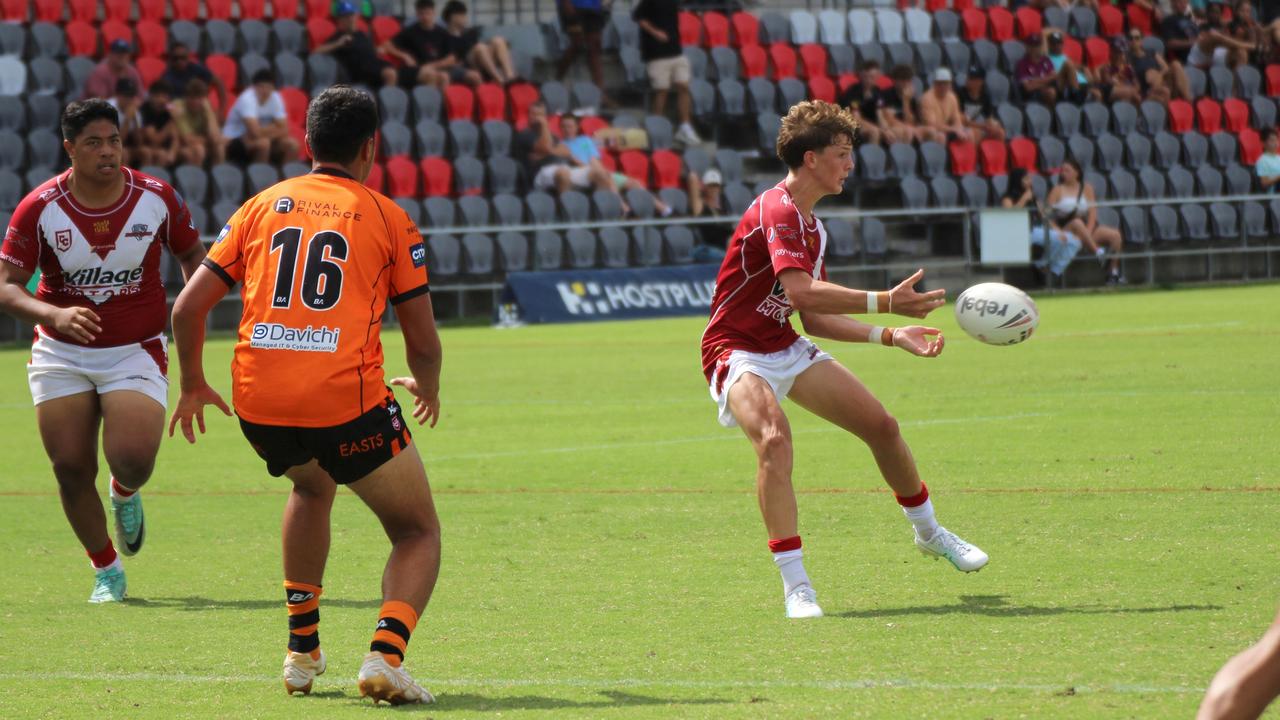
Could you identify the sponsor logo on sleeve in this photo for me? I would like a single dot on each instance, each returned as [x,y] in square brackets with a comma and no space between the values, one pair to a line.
[418,253]
[225,230]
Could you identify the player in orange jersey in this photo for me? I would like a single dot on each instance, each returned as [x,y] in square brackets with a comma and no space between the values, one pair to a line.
[320,256]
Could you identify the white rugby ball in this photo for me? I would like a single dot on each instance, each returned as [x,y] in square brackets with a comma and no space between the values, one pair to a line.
[997,314]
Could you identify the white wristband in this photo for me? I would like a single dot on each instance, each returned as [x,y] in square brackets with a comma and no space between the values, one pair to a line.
[875,334]
[872,303]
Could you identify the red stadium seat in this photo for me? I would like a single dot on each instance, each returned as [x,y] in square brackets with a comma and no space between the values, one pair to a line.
[217,9]
[492,101]
[1072,48]
[823,88]
[784,60]
[459,102]
[437,177]
[1028,21]
[216,103]
[746,29]
[401,177]
[964,158]
[1273,80]
[975,24]
[49,10]
[113,30]
[1001,22]
[715,27]
[1022,153]
[635,165]
[690,29]
[153,39]
[754,61]
[150,68]
[384,27]
[376,178]
[995,158]
[608,160]
[117,9]
[152,9]
[295,105]
[1140,17]
[666,169]
[1236,112]
[82,38]
[961,5]
[1110,20]
[13,10]
[319,30]
[1250,146]
[935,5]
[846,81]
[226,69]
[284,9]
[186,9]
[1208,115]
[319,8]
[884,82]
[1098,52]
[522,95]
[253,9]
[86,10]
[299,133]
[592,124]
[1180,116]
[814,57]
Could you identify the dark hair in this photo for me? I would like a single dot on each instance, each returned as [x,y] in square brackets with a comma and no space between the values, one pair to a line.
[196,88]
[340,121]
[867,65]
[424,4]
[1075,164]
[1013,190]
[1268,134]
[902,73]
[80,113]
[160,87]
[451,8]
[263,76]
[813,125]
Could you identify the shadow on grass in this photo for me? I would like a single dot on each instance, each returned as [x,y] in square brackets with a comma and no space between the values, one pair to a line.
[999,606]
[195,602]
[470,702]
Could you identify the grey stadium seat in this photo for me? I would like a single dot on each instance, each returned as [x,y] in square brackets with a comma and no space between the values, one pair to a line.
[998,87]
[615,247]
[513,252]
[1154,117]
[871,163]
[791,91]
[44,148]
[1099,182]
[1124,119]
[261,176]
[732,98]
[411,207]
[641,203]
[1123,185]
[508,209]
[840,242]
[647,244]
[933,159]
[47,76]
[497,137]
[763,94]
[729,161]
[1221,82]
[1084,22]
[842,59]
[575,206]
[1164,224]
[10,190]
[661,134]
[1153,183]
[220,37]
[290,36]
[221,212]
[13,39]
[13,116]
[944,191]
[13,76]
[193,183]
[466,138]
[632,66]
[1110,152]
[679,242]
[919,25]
[582,247]
[473,210]
[1082,150]
[586,96]
[987,54]
[48,40]
[833,28]
[956,52]
[1168,150]
[1052,154]
[393,104]
[1039,120]
[1249,80]
[905,159]
[187,33]
[608,205]
[13,155]
[1195,149]
[556,96]
[1096,118]
[78,71]
[1137,151]
[948,26]
[1195,222]
[468,176]
[504,174]
[250,63]
[1263,111]
[542,207]
[441,212]
[477,254]
[804,27]
[1012,51]
[1068,119]
[290,70]
[427,103]
[703,95]
[1209,181]
[548,250]
[1011,118]
[697,60]
[444,255]
[432,139]
[323,70]
[725,61]
[767,126]
[871,230]
[1224,220]
[737,197]
[1255,220]
[975,191]
[1181,182]
[396,139]
[1133,225]
[915,194]
[256,36]
[676,199]
[1239,179]
[775,27]
[862,26]
[1223,149]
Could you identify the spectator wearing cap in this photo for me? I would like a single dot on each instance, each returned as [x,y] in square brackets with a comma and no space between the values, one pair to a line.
[1117,79]
[425,46]
[940,109]
[1035,73]
[199,136]
[1077,82]
[900,113]
[491,57]
[976,106]
[101,83]
[257,128]
[159,134]
[706,199]
[864,99]
[1161,80]
[129,106]
[181,69]
[354,51]
[665,62]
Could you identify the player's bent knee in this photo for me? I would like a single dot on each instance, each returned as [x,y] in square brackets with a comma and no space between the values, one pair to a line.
[883,431]
[774,447]
[74,472]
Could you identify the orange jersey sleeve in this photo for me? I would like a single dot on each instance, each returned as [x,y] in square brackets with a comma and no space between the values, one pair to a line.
[320,257]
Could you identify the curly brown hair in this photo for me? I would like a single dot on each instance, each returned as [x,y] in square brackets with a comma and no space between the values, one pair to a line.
[813,125]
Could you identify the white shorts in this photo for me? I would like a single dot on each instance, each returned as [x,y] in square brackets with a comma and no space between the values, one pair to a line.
[664,72]
[579,176]
[779,369]
[58,369]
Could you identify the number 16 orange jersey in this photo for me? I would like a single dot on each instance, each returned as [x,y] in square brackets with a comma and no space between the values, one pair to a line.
[320,256]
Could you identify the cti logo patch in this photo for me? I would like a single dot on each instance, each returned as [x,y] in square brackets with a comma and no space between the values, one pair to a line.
[418,253]
[284,205]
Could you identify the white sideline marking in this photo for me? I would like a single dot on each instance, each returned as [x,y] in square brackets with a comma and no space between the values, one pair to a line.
[735,436]
[853,684]
[1147,330]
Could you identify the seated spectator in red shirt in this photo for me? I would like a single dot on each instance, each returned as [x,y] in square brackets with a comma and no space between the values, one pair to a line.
[1035,73]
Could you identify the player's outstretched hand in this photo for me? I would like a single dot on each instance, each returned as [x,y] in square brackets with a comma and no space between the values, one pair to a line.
[919,340]
[424,409]
[80,323]
[904,300]
[191,403]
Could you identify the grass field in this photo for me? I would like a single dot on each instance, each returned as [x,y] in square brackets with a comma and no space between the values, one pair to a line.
[604,557]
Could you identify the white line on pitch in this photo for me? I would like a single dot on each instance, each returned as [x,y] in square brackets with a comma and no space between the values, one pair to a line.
[1148,330]
[609,684]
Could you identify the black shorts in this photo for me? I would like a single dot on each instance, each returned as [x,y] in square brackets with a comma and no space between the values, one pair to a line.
[347,452]
[590,22]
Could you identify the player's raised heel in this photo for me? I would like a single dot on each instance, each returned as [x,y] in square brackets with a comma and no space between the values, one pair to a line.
[946,544]
[130,528]
[382,682]
[300,671]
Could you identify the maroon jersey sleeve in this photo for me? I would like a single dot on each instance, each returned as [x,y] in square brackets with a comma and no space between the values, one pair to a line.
[22,239]
[784,236]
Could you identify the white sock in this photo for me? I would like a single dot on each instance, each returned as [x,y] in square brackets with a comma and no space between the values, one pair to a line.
[791,564]
[921,516]
[114,564]
[686,127]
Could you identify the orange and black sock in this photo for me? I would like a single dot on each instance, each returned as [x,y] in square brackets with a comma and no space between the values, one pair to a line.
[396,621]
[303,601]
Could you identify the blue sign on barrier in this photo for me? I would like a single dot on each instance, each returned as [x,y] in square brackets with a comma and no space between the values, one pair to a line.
[578,295]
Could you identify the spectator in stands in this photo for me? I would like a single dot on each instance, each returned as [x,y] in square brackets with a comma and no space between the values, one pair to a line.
[1117,79]
[584,150]
[1160,80]
[940,109]
[1179,31]
[864,99]
[900,113]
[548,163]
[975,102]
[182,70]
[1071,206]
[129,106]
[1215,45]
[1266,38]
[1035,73]
[583,21]
[665,61]
[159,135]
[1058,247]
[1268,167]
[199,136]
[101,83]
[492,57]
[706,199]
[425,46]
[354,51]
[257,128]
[1077,81]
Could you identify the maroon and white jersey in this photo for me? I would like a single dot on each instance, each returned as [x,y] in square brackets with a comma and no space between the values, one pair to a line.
[749,310]
[105,259]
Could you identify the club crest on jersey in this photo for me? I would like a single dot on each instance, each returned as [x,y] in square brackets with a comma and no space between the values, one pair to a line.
[62,240]
[284,205]
[139,230]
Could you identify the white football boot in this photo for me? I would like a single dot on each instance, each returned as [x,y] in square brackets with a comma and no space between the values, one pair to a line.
[300,671]
[946,544]
[380,681]
[802,602]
